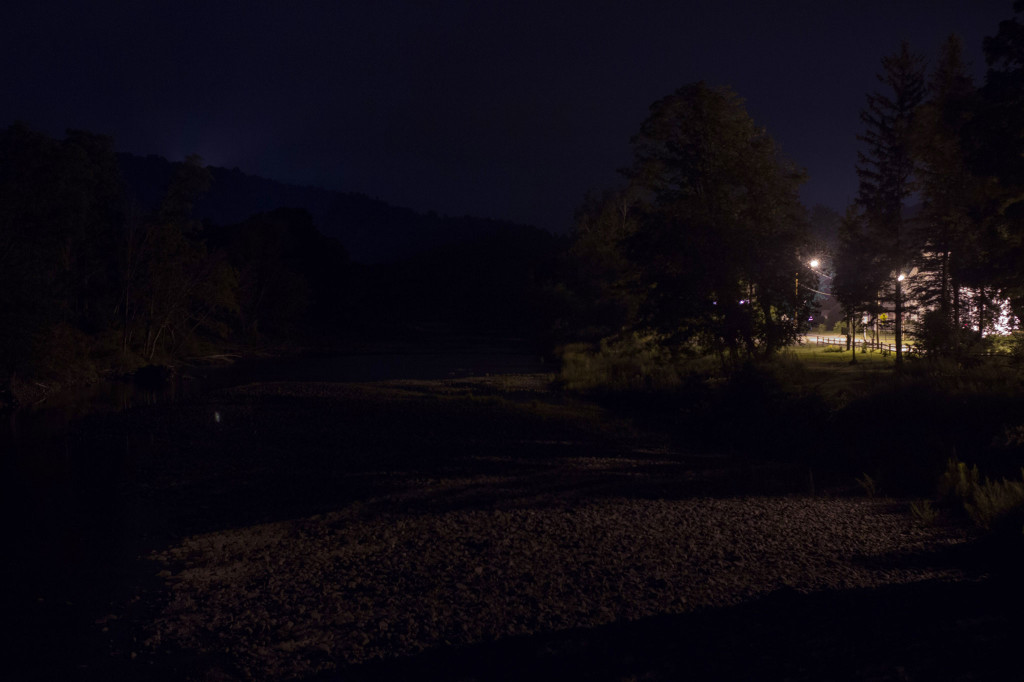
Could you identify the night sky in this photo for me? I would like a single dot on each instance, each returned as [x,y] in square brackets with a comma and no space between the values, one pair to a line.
[508,110]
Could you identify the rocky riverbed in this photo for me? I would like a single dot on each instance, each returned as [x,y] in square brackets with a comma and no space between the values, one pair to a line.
[486,529]
[301,596]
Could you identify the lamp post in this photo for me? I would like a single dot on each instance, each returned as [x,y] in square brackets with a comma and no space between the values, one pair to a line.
[899,319]
[813,263]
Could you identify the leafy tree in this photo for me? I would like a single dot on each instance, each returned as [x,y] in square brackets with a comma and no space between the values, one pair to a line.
[273,294]
[171,288]
[886,170]
[59,209]
[599,274]
[28,244]
[720,228]
[292,280]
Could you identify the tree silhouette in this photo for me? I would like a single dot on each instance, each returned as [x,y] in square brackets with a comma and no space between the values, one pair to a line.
[886,168]
[948,230]
[995,139]
[860,266]
[59,208]
[599,274]
[720,227]
[171,288]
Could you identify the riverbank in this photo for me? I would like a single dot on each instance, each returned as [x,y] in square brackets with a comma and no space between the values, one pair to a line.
[299,529]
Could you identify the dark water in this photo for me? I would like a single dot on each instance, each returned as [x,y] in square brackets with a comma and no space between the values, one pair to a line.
[32,427]
[53,469]
[70,539]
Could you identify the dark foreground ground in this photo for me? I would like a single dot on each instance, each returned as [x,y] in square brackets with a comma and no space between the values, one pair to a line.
[470,529]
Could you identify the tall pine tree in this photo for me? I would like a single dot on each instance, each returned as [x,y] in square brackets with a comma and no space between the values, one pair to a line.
[886,170]
[996,139]
[947,230]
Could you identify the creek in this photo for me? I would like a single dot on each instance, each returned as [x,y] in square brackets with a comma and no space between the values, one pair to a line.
[63,468]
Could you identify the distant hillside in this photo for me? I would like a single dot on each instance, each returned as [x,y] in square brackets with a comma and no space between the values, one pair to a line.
[372,231]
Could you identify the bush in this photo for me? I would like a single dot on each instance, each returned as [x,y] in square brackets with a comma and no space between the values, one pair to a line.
[868,485]
[989,504]
[997,503]
[924,512]
[629,362]
[957,482]
[1010,344]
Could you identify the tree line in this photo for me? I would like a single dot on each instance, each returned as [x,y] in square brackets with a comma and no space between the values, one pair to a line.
[704,248]
[704,244]
[92,281]
[936,229]
[707,246]
[95,281]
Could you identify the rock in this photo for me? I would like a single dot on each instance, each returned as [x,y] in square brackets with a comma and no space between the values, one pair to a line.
[153,377]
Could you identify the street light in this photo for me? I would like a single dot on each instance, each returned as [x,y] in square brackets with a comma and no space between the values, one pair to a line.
[899,314]
[813,264]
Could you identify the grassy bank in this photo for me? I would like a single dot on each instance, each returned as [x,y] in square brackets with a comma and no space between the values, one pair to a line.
[863,427]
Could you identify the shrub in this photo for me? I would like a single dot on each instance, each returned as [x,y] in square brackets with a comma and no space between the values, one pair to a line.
[957,482]
[936,335]
[1011,344]
[868,485]
[989,504]
[924,512]
[997,502]
[628,362]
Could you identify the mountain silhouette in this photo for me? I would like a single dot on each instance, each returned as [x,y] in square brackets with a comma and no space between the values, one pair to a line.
[371,230]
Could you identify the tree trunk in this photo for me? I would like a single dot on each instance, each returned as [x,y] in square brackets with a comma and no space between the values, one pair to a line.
[851,338]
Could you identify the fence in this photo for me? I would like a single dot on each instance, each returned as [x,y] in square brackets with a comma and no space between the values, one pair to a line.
[859,343]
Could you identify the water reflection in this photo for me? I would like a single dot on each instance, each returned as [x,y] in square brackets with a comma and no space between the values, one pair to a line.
[64,465]
[52,416]
[29,426]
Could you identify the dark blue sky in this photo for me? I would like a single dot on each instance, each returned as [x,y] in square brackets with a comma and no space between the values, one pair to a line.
[500,109]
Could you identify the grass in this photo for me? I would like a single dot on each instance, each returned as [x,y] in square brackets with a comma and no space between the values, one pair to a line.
[868,485]
[924,512]
[826,355]
[810,405]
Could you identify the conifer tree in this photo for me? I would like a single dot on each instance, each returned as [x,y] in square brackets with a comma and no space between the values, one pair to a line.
[995,138]
[886,170]
[947,230]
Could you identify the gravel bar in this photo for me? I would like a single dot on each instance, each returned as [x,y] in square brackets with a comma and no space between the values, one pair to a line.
[290,599]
